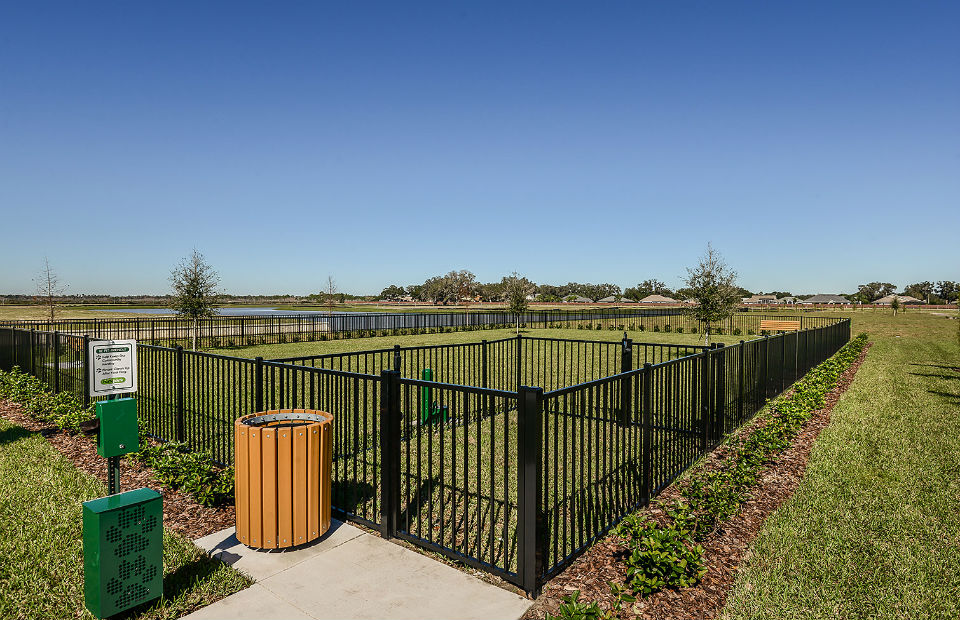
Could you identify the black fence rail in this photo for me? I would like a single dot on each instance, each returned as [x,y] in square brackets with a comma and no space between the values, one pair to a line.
[473,463]
[610,445]
[239,331]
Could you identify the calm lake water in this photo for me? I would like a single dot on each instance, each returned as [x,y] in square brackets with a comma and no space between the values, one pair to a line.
[233,311]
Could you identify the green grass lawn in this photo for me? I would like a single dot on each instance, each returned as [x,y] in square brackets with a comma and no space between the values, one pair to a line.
[41,548]
[298,349]
[874,529]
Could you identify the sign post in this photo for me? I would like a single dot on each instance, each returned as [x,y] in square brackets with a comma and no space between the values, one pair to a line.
[122,532]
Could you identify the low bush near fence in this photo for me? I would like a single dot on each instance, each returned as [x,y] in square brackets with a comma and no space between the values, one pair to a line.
[174,464]
[62,410]
[179,468]
[667,555]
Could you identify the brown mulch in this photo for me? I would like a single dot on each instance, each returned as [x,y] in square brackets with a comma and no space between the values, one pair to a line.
[725,550]
[180,512]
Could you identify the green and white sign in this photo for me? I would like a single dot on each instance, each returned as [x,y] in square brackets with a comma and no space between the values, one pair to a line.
[113,367]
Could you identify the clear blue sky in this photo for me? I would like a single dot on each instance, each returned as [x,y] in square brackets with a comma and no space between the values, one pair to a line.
[816,145]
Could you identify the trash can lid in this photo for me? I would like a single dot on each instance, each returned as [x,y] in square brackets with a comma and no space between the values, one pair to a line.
[294,417]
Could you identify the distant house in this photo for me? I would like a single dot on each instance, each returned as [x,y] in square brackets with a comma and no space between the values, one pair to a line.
[612,299]
[826,299]
[579,300]
[761,299]
[904,299]
[788,300]
[658,299]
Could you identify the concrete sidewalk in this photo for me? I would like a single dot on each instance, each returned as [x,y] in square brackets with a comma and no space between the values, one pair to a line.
[349,574]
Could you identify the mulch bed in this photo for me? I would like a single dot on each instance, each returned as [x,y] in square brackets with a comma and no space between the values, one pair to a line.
[180,512]
[725,550]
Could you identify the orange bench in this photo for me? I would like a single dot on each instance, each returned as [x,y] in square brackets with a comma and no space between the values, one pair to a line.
[771,325]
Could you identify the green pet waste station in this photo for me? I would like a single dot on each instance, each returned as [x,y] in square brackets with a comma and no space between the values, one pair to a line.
[122,532]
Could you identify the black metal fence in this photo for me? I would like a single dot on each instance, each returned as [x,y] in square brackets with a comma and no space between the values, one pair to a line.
[473,463]
[238,331]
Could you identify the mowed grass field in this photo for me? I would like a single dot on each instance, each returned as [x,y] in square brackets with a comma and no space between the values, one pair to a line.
[874,529]
[302,349]
[41,548]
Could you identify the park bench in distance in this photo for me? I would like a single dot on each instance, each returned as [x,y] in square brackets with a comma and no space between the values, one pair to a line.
[771,325]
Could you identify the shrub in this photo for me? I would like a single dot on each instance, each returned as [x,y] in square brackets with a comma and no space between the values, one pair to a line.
[659,556]
[680,330]
[736,331]
[666,328]
[693,330]
[63,410]
[177,467]
[656,328]
[750,332]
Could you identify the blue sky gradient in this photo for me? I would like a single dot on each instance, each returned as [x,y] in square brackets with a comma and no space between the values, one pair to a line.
[816,145]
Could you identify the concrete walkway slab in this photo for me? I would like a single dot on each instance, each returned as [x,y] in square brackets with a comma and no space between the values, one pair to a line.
[351,574]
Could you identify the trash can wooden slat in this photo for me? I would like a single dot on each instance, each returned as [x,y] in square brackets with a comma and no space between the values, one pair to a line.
[282,463]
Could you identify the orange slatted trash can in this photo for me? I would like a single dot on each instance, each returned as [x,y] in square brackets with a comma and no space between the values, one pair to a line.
[282,468]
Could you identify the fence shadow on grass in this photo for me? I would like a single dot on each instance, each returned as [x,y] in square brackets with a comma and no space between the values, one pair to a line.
[12,434]
[946,395]
[348,495]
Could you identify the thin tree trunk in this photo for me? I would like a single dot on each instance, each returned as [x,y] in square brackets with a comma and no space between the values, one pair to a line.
[707,341]
[195,325]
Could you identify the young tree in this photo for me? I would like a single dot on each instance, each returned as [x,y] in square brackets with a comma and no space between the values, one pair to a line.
[713,286]
[194,290]
[516,288]
[48,286]
[330,291]
[895,304]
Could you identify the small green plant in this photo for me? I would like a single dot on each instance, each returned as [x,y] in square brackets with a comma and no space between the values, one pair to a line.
[572,609]
[659,556]
[736,331]
[680,330]
[656,328]
[667,328]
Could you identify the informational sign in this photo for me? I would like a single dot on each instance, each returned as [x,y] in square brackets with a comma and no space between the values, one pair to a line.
[113,367]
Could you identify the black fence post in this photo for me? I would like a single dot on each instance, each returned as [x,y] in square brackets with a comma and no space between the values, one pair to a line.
[397,358]
[783,361]
[33,366]
[484,374]
[766,367]
[529,485]
[86,370]
[519,360]
[178,425]
[740,371]
[706,389]
[647,429]
[56,362]
[720,403]
[258,384]
[389,452]
[626,384]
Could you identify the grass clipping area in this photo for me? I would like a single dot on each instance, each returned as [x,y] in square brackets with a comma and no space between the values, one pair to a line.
[874,530]
[41,546]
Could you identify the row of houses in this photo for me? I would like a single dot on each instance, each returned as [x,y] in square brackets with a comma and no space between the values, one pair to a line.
[825,299]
